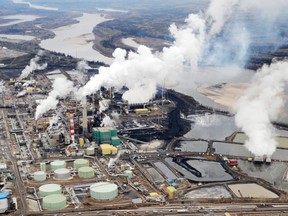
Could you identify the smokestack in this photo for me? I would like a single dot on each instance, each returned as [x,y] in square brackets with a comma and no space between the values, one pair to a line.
[84,114]
[72,129]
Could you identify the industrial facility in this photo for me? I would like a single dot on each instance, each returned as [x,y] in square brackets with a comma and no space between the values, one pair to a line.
[102,153]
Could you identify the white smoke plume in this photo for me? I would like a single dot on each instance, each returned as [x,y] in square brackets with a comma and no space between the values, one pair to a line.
[260,105]
[107,122]
[220,11]
[33,66]
[219,36]
[62,87]
[54,120]
[234,26]
[143,71]
[82,66]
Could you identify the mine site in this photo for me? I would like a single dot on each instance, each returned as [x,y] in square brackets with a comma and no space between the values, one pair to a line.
[143,108]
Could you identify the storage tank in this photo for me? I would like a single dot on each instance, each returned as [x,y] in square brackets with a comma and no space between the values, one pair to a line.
[128,173]
[62,174]
[3,201]
[80,163]
[103,191]
[86,172]
[57,164]
[40,176]
[90,151]
[54,202]
[81,142]
[43,167]
[49,189]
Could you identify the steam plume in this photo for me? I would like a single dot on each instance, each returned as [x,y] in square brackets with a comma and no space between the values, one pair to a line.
[61,88]
[33,66]
[107,122]
[143,71]
[216,37]
[260,105]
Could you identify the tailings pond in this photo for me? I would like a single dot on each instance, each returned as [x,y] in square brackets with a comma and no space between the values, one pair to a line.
[199,169]
[192,146]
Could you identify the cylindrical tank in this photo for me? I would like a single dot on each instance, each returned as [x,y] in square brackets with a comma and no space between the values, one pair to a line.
[81,142]
[43,167]
[103,191]
[57,164]
[62,174]
[3,202]
[80,163]
[40,176]
[49,189]
[90,151]
[128,173]
[54,202]
[86,172]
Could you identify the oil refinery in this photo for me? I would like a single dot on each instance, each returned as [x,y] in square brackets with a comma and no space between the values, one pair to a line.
[103,154]
[110,111]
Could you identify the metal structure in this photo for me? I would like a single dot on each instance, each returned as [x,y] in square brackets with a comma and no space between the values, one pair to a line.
[72,129]
[62,174]
[104,191]
[85,122]
[86,172]
[40,176]
[49,189]
[80,163]
[57,164]
[54,202]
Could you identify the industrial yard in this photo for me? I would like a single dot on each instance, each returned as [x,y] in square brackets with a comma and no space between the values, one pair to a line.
[82,133]
[102,153]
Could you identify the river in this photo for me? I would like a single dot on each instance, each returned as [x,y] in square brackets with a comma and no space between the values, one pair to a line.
[77,39]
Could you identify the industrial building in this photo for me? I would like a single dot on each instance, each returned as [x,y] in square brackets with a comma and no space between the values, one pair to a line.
[107,149]
[71,160]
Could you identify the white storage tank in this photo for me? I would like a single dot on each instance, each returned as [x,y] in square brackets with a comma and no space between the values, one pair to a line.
[62,174]
[86,172]
[57,164]
[49,189]
[54,202]
[128,173]
[80,163]
[3,202]
[43,167]
[103,191]
[39,176]
[90,151]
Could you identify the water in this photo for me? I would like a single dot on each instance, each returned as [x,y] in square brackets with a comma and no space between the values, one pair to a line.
[232,149]
[272,173]
[17,37]
[165,170]
[77,39]
[34,6]
[211,171]
[155,175]
[193,146]
[54,76]
[211,127]
[112,10]
[130,42]
[20,18]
